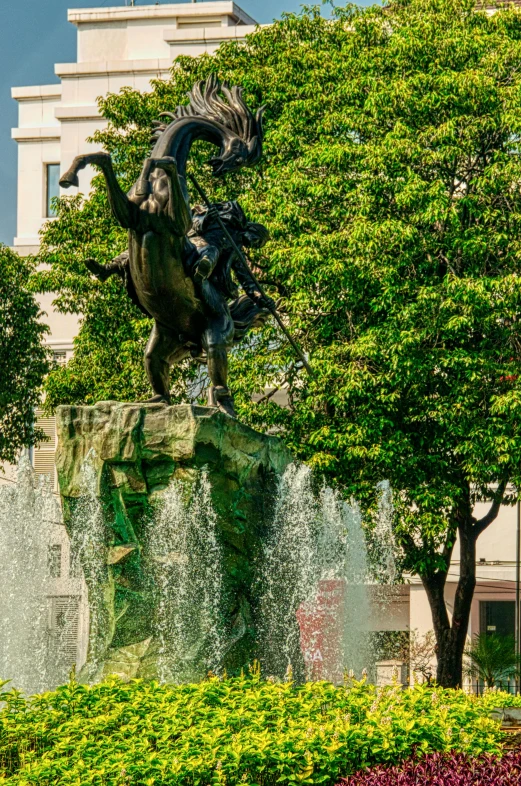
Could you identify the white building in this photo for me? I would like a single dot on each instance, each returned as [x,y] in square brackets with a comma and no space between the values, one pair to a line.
[131,46]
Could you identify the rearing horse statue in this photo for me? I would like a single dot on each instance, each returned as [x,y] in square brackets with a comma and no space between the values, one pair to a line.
[156,211]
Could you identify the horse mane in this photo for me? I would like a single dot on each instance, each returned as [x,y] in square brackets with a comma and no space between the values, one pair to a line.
[205,100]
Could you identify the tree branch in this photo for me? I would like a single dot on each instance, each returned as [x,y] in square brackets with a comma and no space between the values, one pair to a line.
[267,396]
[448,546]
[409,544]
[491,516]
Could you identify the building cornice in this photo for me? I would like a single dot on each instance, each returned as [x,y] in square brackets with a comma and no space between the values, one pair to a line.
[174,35]
[84,112]
[108,67]
[60,343]
[25,248]
[79,16]
[37,134]
[33,92]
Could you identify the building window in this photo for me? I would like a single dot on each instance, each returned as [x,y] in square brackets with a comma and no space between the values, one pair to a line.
[497,617]
[74,566]
[60,357]
[55,561]
[63,626]
[52,187]
[44,453]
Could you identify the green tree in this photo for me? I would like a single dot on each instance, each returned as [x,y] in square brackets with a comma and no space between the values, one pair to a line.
[391,186]
[23,357]
[492,659]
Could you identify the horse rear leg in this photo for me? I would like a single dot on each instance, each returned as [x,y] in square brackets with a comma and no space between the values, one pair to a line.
[162,351]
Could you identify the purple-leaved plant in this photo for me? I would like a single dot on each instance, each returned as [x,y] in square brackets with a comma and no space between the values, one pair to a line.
[444,770]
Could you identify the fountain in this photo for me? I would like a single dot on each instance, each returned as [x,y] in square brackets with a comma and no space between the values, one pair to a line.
[179,499]
[202,547]
[316,566]
[27,513]
[186,560]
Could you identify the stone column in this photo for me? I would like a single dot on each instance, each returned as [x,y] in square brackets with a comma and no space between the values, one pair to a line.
[136,453]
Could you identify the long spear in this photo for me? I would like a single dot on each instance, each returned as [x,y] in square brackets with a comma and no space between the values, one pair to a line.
[241,256]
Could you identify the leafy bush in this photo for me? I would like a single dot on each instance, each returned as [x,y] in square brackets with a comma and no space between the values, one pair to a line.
[244,729]
[497,698]
[492,659]
[453,770]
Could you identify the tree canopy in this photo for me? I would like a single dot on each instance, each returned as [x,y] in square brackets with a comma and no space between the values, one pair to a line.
[390,183]
[23,357]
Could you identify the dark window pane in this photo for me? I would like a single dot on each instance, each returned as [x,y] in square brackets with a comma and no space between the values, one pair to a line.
[497,616]
[53,188]
[55,561]
[74,567]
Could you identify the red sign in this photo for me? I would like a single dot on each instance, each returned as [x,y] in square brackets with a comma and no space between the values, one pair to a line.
[321,625]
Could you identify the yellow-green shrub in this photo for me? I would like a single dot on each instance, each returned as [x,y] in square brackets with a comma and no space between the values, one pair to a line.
[243,730]
[493,698]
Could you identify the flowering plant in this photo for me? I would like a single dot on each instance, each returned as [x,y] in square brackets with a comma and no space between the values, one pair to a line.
[444,770]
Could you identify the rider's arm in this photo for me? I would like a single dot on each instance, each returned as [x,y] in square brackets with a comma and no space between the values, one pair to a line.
[247,283]
[244,278]
[206,262]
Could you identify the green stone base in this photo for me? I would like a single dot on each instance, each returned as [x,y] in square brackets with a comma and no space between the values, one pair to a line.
[138,450]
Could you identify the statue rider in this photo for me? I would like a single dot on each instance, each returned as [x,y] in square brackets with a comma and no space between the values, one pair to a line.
[212,264]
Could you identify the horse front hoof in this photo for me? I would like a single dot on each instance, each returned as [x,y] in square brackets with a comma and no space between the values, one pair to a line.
[157,400]
[227,408]
[68,180]
[221,398]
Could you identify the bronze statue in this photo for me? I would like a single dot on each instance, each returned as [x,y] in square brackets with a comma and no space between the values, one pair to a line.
[178,268]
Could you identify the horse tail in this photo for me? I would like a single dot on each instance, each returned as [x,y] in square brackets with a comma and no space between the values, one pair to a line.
[246,315]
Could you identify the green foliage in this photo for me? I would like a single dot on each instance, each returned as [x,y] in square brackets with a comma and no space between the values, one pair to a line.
[242,730]
[23,359]
[390,187]
[492,659]
[493,698]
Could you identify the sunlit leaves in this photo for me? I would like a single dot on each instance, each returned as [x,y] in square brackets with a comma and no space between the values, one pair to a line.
[24,360]
[243,730]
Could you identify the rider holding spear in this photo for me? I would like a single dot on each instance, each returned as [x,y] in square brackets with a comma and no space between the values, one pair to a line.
[212,261]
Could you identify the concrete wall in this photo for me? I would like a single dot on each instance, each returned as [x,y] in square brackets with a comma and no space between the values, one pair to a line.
[38,135]
[390,608]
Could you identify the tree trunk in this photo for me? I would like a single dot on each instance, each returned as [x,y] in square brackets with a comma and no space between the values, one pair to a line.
[451,635]
[450,661]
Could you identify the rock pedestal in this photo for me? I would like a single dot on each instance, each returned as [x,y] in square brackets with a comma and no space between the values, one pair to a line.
[136,452]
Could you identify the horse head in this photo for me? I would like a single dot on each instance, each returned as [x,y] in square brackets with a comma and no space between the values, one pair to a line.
[223,118]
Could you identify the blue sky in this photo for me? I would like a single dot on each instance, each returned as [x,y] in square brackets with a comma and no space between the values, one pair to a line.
[35,35]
